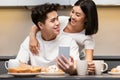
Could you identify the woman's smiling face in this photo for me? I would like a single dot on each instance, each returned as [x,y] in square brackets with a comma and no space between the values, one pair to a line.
[77,17]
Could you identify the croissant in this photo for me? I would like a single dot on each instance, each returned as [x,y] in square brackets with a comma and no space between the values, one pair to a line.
[25,68]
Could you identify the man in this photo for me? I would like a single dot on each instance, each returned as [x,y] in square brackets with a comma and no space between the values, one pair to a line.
[45,17]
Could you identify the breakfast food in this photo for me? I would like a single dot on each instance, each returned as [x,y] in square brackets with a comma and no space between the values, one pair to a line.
[25,68]
[51,69]
[117,69]
[114,70]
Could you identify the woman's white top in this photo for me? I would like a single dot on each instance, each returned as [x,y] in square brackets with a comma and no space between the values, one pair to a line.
[83,41]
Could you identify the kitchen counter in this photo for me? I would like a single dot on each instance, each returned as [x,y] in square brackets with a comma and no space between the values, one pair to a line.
[112,61]
[62,77]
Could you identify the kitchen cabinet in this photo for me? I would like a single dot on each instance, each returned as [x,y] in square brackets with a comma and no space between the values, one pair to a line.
[38,2]
[107,2]
[8,2]
[31,2]
[62,2]
[101,2]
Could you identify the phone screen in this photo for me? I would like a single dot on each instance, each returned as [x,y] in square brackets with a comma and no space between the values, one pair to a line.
[64,51]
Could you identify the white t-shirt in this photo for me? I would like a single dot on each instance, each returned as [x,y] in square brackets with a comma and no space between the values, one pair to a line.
[83,41]
[49,50]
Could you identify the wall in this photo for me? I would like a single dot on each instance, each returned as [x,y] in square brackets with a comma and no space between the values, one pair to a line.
[107,39]
[15,23]
[14,27]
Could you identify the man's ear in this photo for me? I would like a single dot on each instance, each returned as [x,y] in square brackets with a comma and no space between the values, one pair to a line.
[40,25]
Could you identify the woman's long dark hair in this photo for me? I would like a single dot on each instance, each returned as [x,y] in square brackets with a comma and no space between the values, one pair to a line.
[90,10]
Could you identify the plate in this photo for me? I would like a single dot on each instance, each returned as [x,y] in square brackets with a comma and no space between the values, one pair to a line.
[52,74]
[24,74]
[114,73]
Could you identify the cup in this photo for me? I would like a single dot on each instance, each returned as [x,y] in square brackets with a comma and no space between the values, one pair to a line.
[12,63]
[81,66]
[100,66]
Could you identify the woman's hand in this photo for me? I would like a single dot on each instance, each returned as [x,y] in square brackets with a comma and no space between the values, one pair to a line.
[91,68]
[34,44]
[66,65]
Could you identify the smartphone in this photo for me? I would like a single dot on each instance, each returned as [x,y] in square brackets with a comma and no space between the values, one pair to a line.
[63,50]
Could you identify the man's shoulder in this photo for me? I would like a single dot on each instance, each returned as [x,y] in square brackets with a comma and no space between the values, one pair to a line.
[63,37]
[67,41]
[26,40]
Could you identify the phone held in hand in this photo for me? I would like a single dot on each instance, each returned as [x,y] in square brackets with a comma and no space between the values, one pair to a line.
[64,50]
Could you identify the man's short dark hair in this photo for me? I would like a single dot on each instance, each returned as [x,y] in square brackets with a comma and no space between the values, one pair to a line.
[39,13]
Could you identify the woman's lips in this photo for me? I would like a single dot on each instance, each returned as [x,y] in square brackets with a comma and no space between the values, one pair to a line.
[73,21]
[58,29]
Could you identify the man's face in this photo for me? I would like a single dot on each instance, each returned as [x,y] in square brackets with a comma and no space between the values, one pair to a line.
[51,25]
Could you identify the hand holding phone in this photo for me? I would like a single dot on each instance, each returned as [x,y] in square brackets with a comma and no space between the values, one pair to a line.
[64,50]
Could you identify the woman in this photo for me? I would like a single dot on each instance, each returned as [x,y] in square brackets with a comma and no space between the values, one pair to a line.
[81,25]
